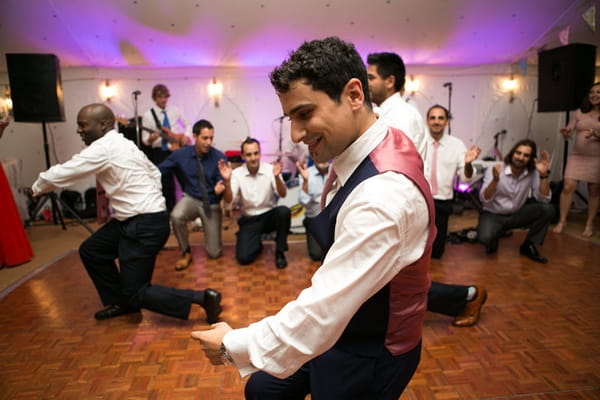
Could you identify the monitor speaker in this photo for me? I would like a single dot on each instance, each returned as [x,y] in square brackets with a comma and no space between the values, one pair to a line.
[565,75]
[35,87]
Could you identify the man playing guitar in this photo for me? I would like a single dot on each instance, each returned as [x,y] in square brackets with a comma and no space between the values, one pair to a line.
[162,139]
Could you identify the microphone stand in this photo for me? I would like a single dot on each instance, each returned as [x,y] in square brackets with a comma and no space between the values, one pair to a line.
[138,131]
[449,86]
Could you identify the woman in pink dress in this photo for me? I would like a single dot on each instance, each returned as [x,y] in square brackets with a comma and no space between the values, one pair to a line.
[15,248]
[583,163]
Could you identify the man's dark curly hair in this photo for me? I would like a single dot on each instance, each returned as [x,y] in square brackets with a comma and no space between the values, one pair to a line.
[327,65]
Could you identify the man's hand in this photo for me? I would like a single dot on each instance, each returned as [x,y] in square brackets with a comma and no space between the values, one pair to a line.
[302,170]
[496,171]
[224,169]
[543,164]
[472,154]
[277,168]
[210,341]
[219,188]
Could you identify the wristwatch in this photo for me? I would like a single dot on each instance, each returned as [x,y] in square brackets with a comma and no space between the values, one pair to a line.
[225,356]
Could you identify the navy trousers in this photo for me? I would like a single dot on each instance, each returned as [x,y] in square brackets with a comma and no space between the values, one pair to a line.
[339,375]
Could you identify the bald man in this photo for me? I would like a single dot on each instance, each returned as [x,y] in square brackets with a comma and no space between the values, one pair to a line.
[139,227]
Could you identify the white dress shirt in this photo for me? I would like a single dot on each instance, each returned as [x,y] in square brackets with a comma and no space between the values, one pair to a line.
[257,193]
[176,120]
[450,162]
[380,229]
[131,181]
[401,115]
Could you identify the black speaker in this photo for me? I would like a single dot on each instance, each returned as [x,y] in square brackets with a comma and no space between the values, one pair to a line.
[565,75]
[35,87]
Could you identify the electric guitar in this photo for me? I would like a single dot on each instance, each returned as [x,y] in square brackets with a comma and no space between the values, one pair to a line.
[174,140]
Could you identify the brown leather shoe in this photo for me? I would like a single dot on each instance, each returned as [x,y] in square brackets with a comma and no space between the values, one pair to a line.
[470,315]
[183,262]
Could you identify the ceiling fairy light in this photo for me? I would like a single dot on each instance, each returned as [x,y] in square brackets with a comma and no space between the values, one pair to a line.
[215,90]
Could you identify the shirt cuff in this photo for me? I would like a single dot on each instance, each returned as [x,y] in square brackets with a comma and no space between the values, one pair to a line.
[236,343]
[36,188]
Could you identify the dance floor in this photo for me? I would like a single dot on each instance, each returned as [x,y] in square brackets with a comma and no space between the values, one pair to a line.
[538,337]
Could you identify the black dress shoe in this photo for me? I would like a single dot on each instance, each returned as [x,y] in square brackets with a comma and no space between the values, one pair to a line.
[528,250]
[114,311]
[280,261]
[212,305]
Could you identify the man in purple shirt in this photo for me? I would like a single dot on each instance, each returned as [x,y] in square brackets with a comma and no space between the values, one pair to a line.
[505,199]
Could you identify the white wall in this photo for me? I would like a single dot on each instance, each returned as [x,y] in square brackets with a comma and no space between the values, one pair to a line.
[250,107]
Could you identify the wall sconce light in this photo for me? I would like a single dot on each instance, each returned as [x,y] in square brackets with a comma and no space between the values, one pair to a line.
[215,90]
[107,91]
[411,85]
[7,105]
[509,86]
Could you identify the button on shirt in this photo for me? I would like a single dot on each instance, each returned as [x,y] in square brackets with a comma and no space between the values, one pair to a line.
[450,162]
[511,191]
[184,162]
[311,201]
[130,180]
[257,193]
[387,209]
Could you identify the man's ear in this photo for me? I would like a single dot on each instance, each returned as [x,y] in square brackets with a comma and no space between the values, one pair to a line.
[390,83]
[354,93]
[107,124]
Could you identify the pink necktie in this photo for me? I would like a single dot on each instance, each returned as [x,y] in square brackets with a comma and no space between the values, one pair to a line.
[327,186]
[433,178]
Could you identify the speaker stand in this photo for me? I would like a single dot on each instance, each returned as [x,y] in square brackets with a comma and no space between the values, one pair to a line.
[57,214]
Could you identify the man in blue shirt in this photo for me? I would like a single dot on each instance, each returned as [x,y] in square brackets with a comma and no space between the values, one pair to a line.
[196,167]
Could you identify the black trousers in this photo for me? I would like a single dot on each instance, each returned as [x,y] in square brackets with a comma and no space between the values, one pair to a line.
[443,210]
[249,245]
[135,242]
[339,375]
[157,155]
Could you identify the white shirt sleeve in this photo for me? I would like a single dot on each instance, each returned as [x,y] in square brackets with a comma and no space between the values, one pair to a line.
[89,161]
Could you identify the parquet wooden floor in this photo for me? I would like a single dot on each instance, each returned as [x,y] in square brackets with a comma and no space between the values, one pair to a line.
[538,337]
